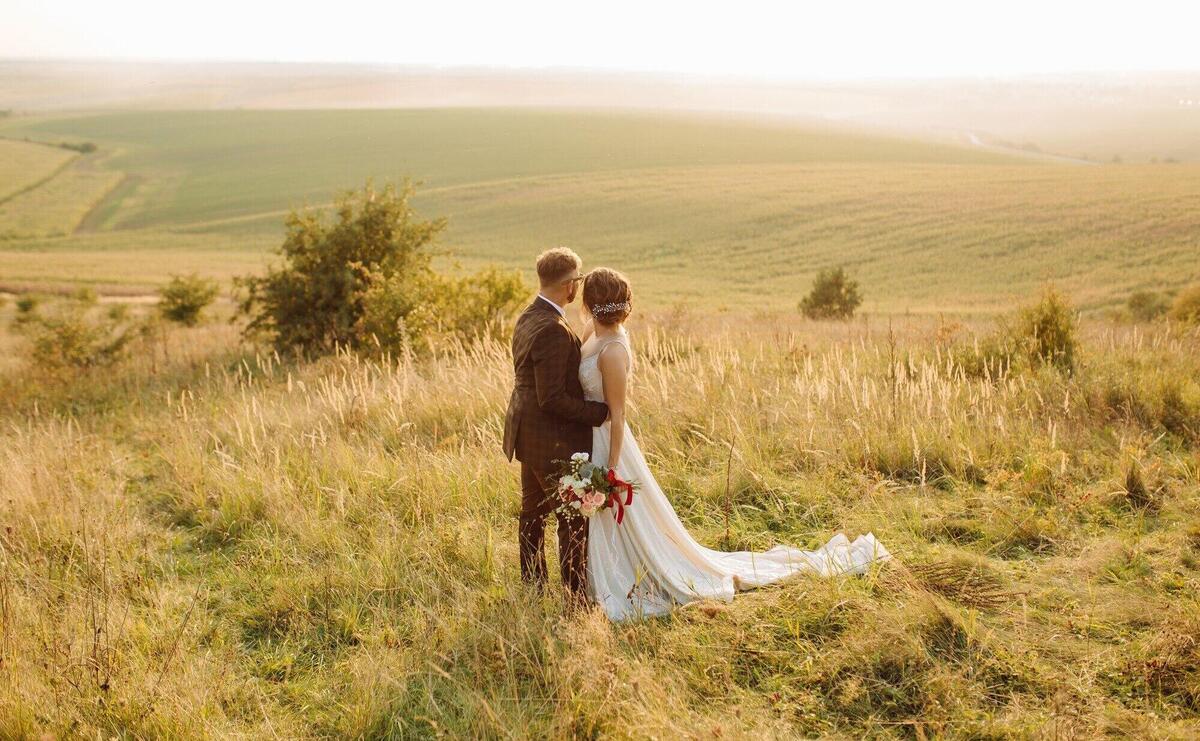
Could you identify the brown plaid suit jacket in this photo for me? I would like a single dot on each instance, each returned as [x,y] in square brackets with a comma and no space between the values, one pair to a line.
[548,418]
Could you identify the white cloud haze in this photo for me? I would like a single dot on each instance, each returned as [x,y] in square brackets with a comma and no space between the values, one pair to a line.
[920,38]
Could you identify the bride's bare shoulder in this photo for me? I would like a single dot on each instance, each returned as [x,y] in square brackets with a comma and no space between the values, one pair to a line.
[614,357]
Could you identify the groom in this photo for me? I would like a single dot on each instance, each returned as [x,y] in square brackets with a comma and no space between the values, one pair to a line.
[549,420]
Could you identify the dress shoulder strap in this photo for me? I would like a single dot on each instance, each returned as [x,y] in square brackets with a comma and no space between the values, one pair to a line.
[621,339]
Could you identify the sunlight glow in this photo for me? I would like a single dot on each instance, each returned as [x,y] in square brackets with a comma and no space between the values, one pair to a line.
[923,38]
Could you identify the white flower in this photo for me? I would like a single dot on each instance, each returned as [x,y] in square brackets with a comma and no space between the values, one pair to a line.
[566,481]
[581,457]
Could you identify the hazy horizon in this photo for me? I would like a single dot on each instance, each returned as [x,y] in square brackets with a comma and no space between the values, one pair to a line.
[759,41]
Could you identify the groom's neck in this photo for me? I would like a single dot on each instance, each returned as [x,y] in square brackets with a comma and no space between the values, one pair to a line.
[559,297]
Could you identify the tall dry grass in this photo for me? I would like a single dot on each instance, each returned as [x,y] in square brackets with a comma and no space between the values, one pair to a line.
[217,543]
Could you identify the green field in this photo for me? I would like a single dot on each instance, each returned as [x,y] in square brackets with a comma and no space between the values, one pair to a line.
[23,165]
[705,211]
[203,538]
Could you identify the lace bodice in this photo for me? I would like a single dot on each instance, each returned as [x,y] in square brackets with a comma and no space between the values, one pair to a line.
[589,368]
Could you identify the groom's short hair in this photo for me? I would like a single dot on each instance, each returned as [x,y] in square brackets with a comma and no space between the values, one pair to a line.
[556,265]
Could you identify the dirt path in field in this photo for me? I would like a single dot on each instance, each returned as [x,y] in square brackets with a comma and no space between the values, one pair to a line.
[95,217]
[979,143]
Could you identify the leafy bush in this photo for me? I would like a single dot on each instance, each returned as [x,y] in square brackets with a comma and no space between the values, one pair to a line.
[989,357]
[71,340]
[1045,332]
[86,296]
[26,310]
[1187,306]
[184,298]
[834,295]
[1145,306]
[367,282]
[399,310]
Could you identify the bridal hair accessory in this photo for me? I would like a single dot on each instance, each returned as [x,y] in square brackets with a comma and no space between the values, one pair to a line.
[611,308]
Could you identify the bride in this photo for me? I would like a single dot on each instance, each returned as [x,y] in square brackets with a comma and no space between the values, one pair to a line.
[649,563]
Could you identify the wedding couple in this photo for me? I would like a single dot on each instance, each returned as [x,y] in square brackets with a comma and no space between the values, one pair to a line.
[570,397]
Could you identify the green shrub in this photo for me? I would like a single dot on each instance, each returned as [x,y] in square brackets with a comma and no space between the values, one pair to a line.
[71,340]
[989,357]
[313,301]
[184,298]
[366,282]
[399,310]
[1045,332]
[481,304]
[86,296]
[1145,306]
[1187,306]
[26,310]
[834,295]
[27,304]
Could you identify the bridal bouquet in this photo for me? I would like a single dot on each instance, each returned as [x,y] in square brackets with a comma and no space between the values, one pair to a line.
[586,488]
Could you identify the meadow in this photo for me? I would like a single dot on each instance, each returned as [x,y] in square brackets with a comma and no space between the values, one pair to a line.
[709,212]
[209,540]
[216,542]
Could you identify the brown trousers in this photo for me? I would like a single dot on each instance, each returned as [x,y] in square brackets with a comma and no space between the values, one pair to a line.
[538,501]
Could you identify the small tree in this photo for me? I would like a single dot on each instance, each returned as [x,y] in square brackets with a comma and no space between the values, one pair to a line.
[367,282]
[185,297]
[834,295]
[1145,306]
[1046,331]
[313,301]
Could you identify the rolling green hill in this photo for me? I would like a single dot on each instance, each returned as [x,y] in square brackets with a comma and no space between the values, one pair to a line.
[216,164]
[713,212]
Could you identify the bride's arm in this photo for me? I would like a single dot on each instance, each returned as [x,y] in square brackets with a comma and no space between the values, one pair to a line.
[614,368]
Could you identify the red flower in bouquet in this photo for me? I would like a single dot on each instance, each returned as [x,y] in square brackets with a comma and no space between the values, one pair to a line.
[586,488]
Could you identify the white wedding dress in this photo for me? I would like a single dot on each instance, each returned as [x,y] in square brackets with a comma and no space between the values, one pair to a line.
[649,564]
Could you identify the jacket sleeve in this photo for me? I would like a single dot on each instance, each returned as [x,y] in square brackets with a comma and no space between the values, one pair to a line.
[551,352]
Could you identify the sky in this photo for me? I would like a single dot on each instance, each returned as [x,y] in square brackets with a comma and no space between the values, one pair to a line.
[833,39]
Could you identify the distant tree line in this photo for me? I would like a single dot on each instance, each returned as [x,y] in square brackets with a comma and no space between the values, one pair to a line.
[81,147]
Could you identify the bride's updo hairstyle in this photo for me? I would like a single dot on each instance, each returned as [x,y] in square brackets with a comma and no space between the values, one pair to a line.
[607,296]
